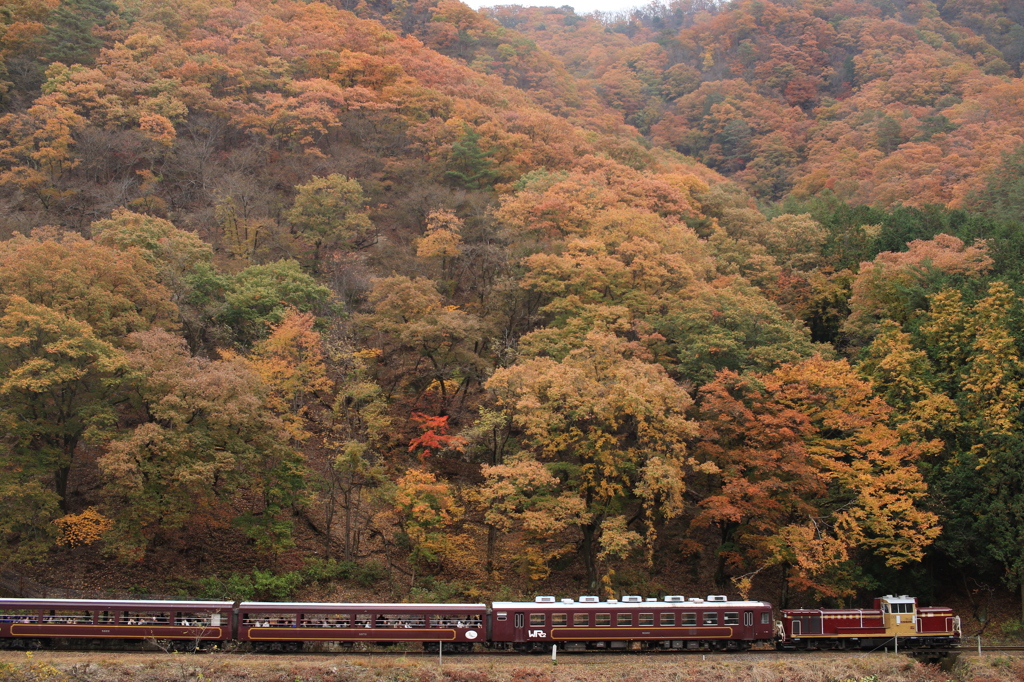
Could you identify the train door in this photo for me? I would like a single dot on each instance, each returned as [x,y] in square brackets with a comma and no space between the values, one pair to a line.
[748,625]
[519,625]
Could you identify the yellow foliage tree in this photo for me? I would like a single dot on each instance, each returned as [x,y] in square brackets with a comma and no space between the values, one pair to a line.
[86,528]
[427,509]
[291,364]
[613,426]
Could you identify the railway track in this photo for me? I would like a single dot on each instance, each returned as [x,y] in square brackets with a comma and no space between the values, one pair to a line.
[380,652]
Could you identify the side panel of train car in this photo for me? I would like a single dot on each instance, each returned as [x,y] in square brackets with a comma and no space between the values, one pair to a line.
[284,627]
[675,623]
[895,621]
[28,622]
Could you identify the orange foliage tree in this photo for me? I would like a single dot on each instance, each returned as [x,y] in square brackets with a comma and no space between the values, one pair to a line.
[810,471]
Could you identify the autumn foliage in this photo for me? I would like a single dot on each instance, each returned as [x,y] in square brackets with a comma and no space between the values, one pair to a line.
[685,298]
[82,529]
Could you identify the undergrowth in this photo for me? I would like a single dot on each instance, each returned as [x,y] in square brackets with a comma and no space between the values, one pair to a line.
[267,585]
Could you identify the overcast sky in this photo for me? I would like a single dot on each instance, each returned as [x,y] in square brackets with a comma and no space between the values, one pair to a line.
[581,6]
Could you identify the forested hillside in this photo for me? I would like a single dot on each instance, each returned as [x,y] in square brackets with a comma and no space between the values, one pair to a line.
[430,302]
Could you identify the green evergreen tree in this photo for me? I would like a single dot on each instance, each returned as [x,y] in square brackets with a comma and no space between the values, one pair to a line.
[1003,196]
[472,167]
[70,36]
[889,135]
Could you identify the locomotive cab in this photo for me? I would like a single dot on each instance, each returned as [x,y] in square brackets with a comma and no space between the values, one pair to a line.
[899,614]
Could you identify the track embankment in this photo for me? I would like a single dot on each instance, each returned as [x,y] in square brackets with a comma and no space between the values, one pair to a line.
[80,666]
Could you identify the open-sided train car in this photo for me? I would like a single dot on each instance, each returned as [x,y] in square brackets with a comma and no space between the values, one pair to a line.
[672,623]
[29,623]
[895,621]
[272,626]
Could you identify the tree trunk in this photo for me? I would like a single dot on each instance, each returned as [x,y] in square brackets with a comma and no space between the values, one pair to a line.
[68,445]
[492,541]
[316,256]
[60,482]
[348,525]
[589,552]
[328,522]
[784,596]
[720,578]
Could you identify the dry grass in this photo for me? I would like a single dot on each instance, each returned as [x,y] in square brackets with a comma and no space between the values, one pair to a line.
[149,667]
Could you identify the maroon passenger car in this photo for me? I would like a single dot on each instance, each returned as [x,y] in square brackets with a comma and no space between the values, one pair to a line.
[895,621]
[36,622]
[671,623]
[273,626]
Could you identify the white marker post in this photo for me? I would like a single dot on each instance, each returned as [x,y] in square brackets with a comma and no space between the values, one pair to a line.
[554,654]
[440,653]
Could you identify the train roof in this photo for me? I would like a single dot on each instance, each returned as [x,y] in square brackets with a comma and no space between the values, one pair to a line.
[357,606]
[21,603]
[803,610]
[672,601]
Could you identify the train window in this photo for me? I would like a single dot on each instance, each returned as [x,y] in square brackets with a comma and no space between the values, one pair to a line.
[580,620]
[264,620]
[445,620]
[710,618]
[145,618]
[902,608]
[363,620]
[623,619]
[602,619]
[732,618]
[457,620]
[69,618]
[319,620]
[646,619]
[748,617]
[766,618]
[502,615]
[106,618]
[687,618]
[538,620]
[403,620]
[668,619]
[559,619]
[19,616]
[191,619]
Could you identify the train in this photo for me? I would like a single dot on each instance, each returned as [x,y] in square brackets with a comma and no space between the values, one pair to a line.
[670,623]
